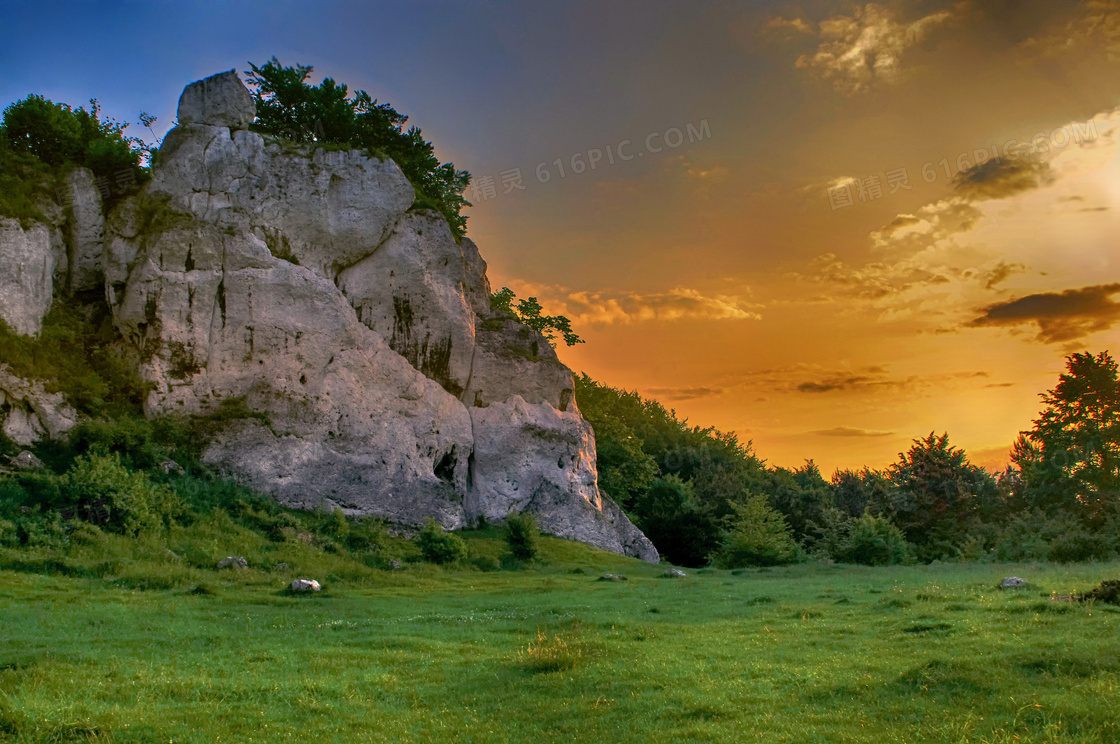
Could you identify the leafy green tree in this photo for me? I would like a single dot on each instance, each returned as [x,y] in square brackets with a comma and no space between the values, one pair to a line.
[59,136]
[1070,460]
[682,530]
[290,108]
[438,545]
[802,496]
[523,536]
[855,492]
[872,541]
[936,503]
[532,314]
[756,535]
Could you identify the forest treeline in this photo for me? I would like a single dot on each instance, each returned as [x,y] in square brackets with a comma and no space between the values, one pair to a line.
[702,496]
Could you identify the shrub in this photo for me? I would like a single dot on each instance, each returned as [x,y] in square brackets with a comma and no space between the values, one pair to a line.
[83,533]
[756,535]
[336,527]
[873,541]
[1078,545]
[523,536]
[439,546]
[100,489]
[367,536]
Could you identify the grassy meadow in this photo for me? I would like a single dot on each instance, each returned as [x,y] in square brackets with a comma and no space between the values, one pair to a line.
[120,642]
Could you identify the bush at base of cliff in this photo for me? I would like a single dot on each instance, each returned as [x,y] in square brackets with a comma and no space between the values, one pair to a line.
[440,546]
[522,536]
[102,490]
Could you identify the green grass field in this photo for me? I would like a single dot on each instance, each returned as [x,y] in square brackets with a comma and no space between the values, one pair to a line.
[809,653]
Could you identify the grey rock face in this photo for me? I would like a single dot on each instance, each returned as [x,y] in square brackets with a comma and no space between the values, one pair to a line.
[1012,582]
[304,586]
[85,231]
[359,333]
[219,100]
[27,279]
[28,413]
[26,461]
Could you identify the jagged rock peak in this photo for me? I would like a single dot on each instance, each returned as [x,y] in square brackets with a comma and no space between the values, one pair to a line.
[220,100]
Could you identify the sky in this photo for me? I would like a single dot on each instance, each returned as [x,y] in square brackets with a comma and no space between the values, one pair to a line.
[828,227]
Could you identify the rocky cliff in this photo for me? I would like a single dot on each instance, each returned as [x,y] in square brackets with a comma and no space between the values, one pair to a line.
[300,279]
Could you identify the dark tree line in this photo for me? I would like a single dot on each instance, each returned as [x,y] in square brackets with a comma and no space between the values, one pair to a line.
[694,491]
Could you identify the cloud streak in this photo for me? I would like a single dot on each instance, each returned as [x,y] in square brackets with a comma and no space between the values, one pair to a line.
[1060,316]
[867,48]
[849,431]
[680,303]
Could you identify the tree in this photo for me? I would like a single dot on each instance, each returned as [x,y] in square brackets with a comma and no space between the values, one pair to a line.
[532,314]
[802,496]
[1071,458]
[60,136]
[936,501]
[290,108]
[682,530]
[756,535]
[523,536]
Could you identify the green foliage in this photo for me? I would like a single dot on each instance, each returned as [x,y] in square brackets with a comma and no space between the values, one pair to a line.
[289,107]
[25,182]
[522,536]
[872,541]
[756,535]
[532,314]
[62,137]
[1070,460]
[99,488]
[936,503]
[439,546]
[802,496]
[77,354]
[676,481]
[669,515]
[367,536]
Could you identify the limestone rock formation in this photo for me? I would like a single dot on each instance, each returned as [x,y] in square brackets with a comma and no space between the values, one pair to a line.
[28,413]
[219,100]
[27,280]
[301,280]
[85,226]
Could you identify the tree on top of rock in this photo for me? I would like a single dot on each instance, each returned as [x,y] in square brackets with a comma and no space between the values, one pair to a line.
[289,107]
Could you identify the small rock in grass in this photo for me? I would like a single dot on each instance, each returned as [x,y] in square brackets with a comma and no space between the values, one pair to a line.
[673,573]
[303,586]
[612,577]
[395,565]
[233,561]
[1012,582]
[280,567]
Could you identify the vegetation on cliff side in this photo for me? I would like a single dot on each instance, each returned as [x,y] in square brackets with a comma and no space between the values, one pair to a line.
[40,141]
[291,108]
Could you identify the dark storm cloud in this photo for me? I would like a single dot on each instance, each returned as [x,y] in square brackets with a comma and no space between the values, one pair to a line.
[1060,316]
[999,178]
